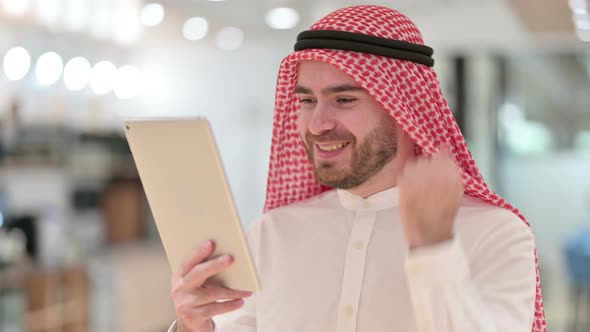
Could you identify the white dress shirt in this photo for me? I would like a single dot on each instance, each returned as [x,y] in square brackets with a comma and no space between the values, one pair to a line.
[340,263]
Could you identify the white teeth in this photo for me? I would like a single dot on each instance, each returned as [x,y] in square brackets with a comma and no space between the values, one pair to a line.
[332,147]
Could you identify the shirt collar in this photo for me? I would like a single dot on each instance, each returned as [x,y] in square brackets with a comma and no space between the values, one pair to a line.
[382,200]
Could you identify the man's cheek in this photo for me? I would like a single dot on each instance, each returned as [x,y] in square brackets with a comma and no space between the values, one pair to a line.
[301,128]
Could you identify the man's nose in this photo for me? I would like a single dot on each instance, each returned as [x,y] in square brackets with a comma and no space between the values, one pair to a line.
[321,120]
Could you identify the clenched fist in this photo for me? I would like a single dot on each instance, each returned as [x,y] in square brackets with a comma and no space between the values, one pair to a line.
[430,194]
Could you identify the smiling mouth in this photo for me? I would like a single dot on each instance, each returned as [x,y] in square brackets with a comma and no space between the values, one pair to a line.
[333,147]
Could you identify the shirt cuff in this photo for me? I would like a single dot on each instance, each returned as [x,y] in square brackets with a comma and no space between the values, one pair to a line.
[173,327]
[438,264]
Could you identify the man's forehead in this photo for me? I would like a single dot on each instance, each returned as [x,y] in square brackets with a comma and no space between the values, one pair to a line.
[313,72]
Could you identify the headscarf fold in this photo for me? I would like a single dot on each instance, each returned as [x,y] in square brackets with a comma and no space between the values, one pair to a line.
[409,91]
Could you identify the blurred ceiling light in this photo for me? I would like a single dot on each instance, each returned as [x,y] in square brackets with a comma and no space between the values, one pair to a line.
[128,82]
[48,11]
[152,14]
[282,18]
[195,28]
[17,63]
[49,68]
[103,77]
[578,6]
[16,7]
[76,14]
[230,38]
[77,73]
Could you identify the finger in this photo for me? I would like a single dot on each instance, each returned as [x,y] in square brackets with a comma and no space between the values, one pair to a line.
[213,294]
[201,272]
[408,167]
[219,308]
[198,256]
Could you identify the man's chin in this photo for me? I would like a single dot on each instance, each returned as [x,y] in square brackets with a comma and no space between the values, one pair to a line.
[330,177]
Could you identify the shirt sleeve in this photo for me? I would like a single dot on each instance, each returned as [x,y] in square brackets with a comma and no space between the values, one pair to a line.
[241,320]
[490,290]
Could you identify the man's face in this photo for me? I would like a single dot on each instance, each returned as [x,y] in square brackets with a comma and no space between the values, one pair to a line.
[347,134]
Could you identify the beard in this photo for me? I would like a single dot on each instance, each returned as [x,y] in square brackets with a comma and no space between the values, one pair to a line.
[368,156]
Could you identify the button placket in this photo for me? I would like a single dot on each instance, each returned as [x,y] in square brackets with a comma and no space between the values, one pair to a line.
[358,245]
[354,269]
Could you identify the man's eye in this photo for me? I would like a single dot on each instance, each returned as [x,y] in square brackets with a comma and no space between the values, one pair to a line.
[306,100]
[346,100]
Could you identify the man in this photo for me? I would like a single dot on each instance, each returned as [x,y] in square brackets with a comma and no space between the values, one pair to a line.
[397,246]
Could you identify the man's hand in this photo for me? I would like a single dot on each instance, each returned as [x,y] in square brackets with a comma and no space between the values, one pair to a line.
[197,302]
[430,195]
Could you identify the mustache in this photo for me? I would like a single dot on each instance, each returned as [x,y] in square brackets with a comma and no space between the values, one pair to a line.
[328,136]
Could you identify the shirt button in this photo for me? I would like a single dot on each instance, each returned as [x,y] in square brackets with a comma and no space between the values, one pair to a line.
[358,245]
[414,269]
[366,204]
[348,310]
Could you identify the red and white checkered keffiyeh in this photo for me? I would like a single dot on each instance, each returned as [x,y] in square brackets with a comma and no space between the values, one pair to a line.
[410,92]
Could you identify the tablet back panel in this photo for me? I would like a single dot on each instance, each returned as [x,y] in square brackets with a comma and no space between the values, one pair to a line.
[188,193]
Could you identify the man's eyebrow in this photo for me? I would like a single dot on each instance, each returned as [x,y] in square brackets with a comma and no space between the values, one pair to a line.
[333,89]
[303,90]
[342,88]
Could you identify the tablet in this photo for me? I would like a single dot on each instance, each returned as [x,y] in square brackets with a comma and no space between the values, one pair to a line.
[188,193]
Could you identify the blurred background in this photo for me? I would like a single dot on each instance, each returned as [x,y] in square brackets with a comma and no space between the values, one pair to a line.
[79,250]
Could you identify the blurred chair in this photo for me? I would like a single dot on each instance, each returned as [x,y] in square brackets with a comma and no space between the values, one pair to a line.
[577,254]
[123,208]
[57,300]
[131,289]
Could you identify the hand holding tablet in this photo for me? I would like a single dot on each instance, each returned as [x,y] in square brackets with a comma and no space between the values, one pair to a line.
[185,184]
